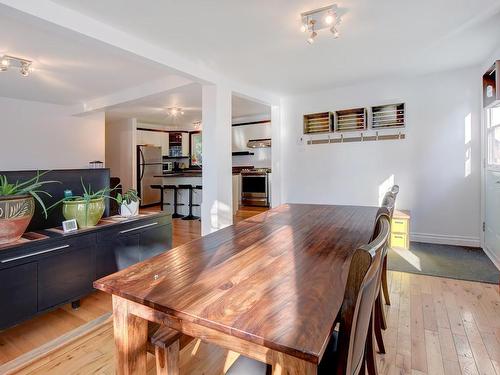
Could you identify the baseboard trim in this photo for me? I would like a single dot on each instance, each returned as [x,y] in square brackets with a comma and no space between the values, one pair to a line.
[492,256]
[446,240]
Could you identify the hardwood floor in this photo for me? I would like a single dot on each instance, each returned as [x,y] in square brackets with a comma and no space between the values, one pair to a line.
[435,326]
[41,329]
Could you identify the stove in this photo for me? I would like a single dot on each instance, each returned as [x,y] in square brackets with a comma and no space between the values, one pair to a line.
[255,187]
[256,171]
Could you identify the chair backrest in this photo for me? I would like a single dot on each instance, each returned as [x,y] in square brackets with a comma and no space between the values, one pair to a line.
[389,200]
[395,190]
[359,298]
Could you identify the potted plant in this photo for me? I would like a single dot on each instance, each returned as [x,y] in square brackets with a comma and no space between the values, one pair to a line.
[129,203]
[87,208]
[17,205]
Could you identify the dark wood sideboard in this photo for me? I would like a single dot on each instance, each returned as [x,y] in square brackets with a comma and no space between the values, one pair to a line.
[50,269]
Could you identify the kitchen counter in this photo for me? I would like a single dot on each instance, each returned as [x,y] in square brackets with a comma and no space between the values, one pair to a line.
[188,174]
[180,174]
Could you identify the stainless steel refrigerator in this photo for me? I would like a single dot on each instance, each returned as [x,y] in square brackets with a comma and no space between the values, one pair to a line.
[149,165]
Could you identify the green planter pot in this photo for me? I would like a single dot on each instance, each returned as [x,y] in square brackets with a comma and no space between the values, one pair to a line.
[86,215]
[15,215]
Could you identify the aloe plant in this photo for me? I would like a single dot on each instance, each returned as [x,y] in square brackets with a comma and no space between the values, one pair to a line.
[89,194]
[31,187]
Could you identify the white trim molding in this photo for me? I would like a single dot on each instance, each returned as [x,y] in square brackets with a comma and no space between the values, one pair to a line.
[445,239]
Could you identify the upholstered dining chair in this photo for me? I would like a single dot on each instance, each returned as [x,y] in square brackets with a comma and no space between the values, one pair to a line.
[351,348]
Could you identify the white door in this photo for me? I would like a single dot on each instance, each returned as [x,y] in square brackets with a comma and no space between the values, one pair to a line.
[492,184]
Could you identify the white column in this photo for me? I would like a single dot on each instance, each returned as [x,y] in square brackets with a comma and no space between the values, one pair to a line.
[276,156]
[216,209]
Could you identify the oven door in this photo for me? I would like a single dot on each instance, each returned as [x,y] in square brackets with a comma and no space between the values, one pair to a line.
[254,190]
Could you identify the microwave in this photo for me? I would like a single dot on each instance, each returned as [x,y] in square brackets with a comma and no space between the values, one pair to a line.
[168,166]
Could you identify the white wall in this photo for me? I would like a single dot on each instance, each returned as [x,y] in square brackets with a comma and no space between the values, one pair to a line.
[36,135]
[430,165]
[121,151]
[242,134]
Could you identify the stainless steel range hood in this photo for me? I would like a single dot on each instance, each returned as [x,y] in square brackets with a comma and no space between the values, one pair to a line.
[259,143]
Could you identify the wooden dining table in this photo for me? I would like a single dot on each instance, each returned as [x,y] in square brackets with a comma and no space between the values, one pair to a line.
[269,287]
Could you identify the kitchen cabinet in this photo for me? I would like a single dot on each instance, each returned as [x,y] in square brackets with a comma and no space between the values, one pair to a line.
[491,86]
[179,143]
[158,138]
[18,293]
[185,143]
[164,143]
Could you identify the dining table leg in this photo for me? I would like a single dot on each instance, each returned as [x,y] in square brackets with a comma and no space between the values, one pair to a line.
[284,364]
[131,335]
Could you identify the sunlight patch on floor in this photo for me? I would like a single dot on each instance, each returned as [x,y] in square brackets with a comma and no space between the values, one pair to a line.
[410,257]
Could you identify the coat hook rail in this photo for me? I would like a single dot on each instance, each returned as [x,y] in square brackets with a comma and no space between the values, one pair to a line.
[362,138]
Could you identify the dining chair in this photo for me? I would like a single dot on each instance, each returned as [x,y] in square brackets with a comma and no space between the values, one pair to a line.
[389,201]
[378,309]
[380,322]
[350,350]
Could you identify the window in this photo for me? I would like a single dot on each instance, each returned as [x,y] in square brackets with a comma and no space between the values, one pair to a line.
[493,135]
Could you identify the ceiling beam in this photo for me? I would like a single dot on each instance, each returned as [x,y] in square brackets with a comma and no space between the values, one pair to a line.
[131,94]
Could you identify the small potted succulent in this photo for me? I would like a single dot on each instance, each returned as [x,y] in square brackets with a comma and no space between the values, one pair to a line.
[17,205]
[129,203]
[87,208]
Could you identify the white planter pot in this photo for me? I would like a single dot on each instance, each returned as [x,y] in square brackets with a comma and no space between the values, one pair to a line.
[128,210]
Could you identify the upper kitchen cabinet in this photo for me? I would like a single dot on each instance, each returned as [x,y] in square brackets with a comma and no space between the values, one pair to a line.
[242,134]
[491,86]
[154,137]
[178,143]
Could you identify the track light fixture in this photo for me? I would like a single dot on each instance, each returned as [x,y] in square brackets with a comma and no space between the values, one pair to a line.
[24,65]
[319,19]
[175,111]
[313,33]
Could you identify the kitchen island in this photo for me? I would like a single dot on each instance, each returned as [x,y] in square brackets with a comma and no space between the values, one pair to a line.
[194,178]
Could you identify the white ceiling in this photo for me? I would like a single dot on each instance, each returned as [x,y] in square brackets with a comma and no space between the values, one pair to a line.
[153,109]
[69,68]
[259,42]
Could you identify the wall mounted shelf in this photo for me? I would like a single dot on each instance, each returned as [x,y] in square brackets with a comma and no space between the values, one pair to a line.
[388,116]
[350,120]
[317,123]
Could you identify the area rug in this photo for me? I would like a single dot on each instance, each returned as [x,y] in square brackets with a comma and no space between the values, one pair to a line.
[456,262]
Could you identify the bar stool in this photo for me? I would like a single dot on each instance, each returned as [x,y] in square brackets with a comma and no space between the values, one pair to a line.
[199,187]
[191,205]
[161,188]
[176,204]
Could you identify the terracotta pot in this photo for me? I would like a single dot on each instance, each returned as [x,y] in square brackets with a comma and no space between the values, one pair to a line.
[15,215]
[86,214]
